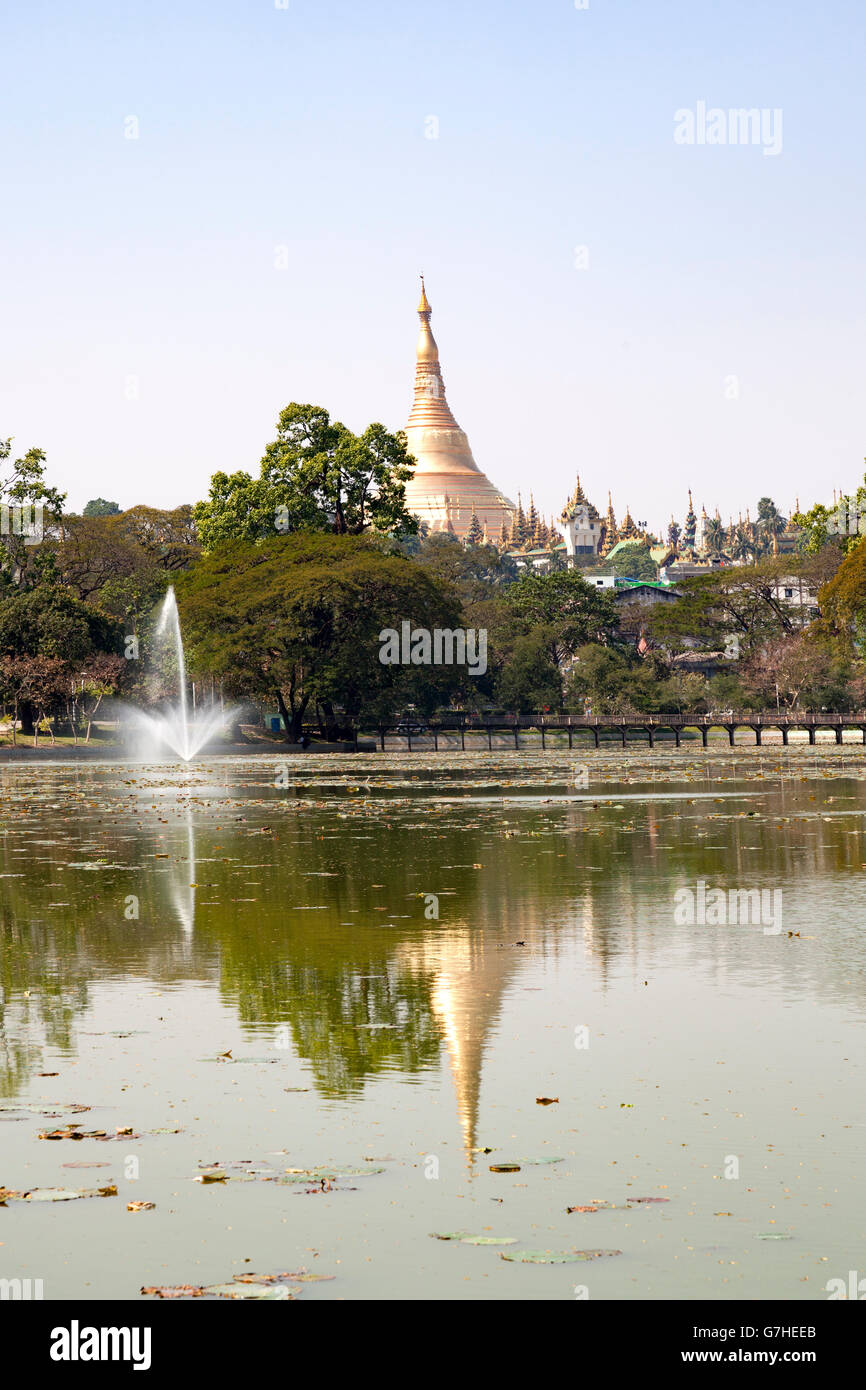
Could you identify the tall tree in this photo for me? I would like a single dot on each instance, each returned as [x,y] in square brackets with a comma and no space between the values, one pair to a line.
[31,506]
[297,619]
[315,476]
[715,536]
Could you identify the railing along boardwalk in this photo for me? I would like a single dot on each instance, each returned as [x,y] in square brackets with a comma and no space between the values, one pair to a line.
[649,724]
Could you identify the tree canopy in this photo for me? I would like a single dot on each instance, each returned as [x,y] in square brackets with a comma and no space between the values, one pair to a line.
[297,619]
[315,476]
[99,507]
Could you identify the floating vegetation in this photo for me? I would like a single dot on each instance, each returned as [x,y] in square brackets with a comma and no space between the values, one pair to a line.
[56,1194]
[43,1108]
[242,1170]
[555,1257]
[75,1132]
[526,1162]
[270,1287]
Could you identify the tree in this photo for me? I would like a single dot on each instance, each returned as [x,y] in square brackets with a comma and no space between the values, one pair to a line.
[635,562]
[121,563]
[475,535]
[529,680]
[297,620]
[804,670]
[26,494]
[315,476]
[843,601]
[37,682]
[570,611]
[714,536]
[741,544]
[49,621]
[99,507]
[46,623]
[740,601]
[471,573]
[104,674]
[841,526]
[770,518]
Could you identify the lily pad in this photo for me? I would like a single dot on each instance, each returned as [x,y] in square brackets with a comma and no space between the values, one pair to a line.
[555,1257]
[489,1240]
[173,1290]
[527,1162]
[57,1108]
[303,1174]
[287,1277]
[450,1235]
[63,1194]
[272,1292]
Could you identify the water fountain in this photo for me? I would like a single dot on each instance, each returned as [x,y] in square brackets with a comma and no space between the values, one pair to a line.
[174,728]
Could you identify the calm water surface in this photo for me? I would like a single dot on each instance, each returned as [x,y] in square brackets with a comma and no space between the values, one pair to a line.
[286,915]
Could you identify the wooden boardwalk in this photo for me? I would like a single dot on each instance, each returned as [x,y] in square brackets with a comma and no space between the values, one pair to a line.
[630,729]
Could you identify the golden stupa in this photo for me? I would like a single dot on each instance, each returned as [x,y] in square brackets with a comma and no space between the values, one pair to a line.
[448,486]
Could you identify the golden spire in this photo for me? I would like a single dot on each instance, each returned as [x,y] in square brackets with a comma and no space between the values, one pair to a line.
[430,408]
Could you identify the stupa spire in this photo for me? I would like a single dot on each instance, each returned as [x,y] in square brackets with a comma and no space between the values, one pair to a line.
[430,409]
[439,447]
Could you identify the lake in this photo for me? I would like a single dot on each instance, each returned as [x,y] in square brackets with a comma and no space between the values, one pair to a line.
[373,971]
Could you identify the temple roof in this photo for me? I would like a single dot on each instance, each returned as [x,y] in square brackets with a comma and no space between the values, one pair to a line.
[579,499]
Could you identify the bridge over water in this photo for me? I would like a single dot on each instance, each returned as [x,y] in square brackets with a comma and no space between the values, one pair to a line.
[470,729]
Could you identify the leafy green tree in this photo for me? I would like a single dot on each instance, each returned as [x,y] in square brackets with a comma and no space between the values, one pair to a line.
[529,680]
[296,620]
[471,573]
[570,611]
[598,681]
[24,487]
[634,563]
[48,621]
[742,601]
[315,476]
[99,507]
[47,639]
[715,536]
[843,603]
[770,519]
[121,563]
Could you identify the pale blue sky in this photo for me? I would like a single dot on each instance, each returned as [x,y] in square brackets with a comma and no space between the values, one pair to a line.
[154,259]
